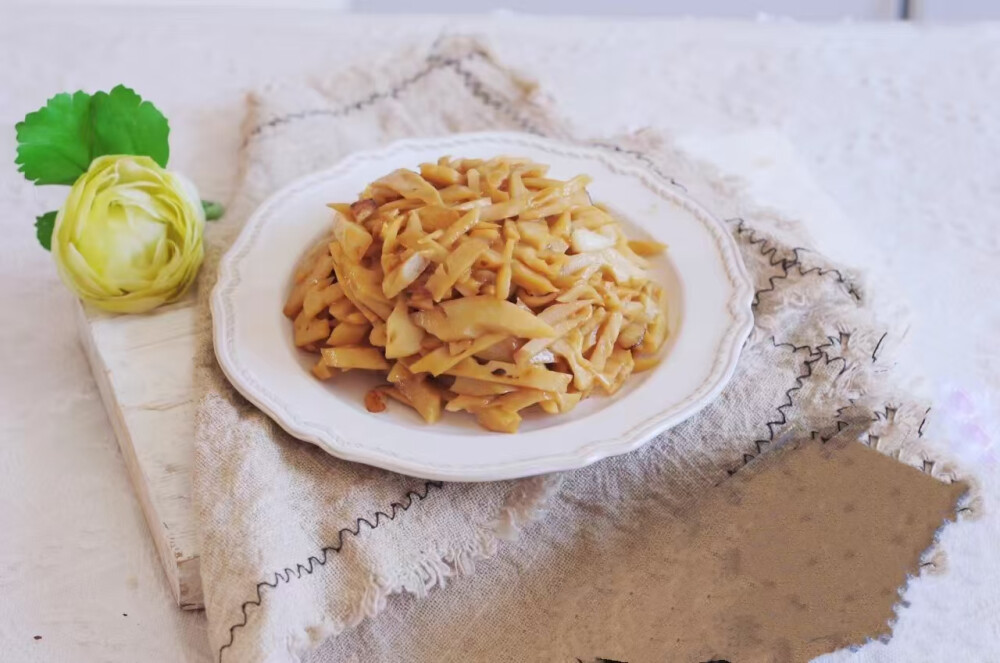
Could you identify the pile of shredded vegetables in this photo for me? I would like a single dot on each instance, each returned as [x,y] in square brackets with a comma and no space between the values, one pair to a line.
[481,286]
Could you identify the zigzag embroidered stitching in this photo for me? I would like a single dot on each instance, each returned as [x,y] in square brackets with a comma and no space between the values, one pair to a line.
[285,575]
[820,352]
[643,158]
[434,62]
[771,251]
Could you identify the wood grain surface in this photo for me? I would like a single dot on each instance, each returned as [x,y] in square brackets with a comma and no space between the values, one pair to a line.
[143,365]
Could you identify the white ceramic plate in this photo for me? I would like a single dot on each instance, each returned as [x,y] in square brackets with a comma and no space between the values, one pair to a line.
[708,291]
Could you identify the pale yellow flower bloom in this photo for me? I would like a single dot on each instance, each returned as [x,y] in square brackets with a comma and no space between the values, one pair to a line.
[129,236]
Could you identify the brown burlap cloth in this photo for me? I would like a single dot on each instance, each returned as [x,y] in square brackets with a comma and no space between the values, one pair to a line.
[658,555]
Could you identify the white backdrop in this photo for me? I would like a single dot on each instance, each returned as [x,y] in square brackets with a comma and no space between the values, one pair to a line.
[898,123]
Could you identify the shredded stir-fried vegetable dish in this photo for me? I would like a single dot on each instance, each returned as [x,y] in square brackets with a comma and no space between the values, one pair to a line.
[481,286]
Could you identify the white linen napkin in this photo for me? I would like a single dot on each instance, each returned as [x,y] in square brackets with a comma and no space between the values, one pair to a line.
[298,546]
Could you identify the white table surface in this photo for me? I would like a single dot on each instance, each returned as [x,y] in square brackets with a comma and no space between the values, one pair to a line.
[900,124]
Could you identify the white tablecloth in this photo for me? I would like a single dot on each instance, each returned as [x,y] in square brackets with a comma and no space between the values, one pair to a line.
[900,124]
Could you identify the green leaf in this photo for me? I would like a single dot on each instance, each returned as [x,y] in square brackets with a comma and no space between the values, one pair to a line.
[57,142]
[43,228]
[213,210]
[53,143]
[125,124]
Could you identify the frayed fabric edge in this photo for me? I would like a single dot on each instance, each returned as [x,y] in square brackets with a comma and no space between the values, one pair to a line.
[524,505]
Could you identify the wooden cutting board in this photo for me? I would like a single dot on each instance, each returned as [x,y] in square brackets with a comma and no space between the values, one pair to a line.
[143,364]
